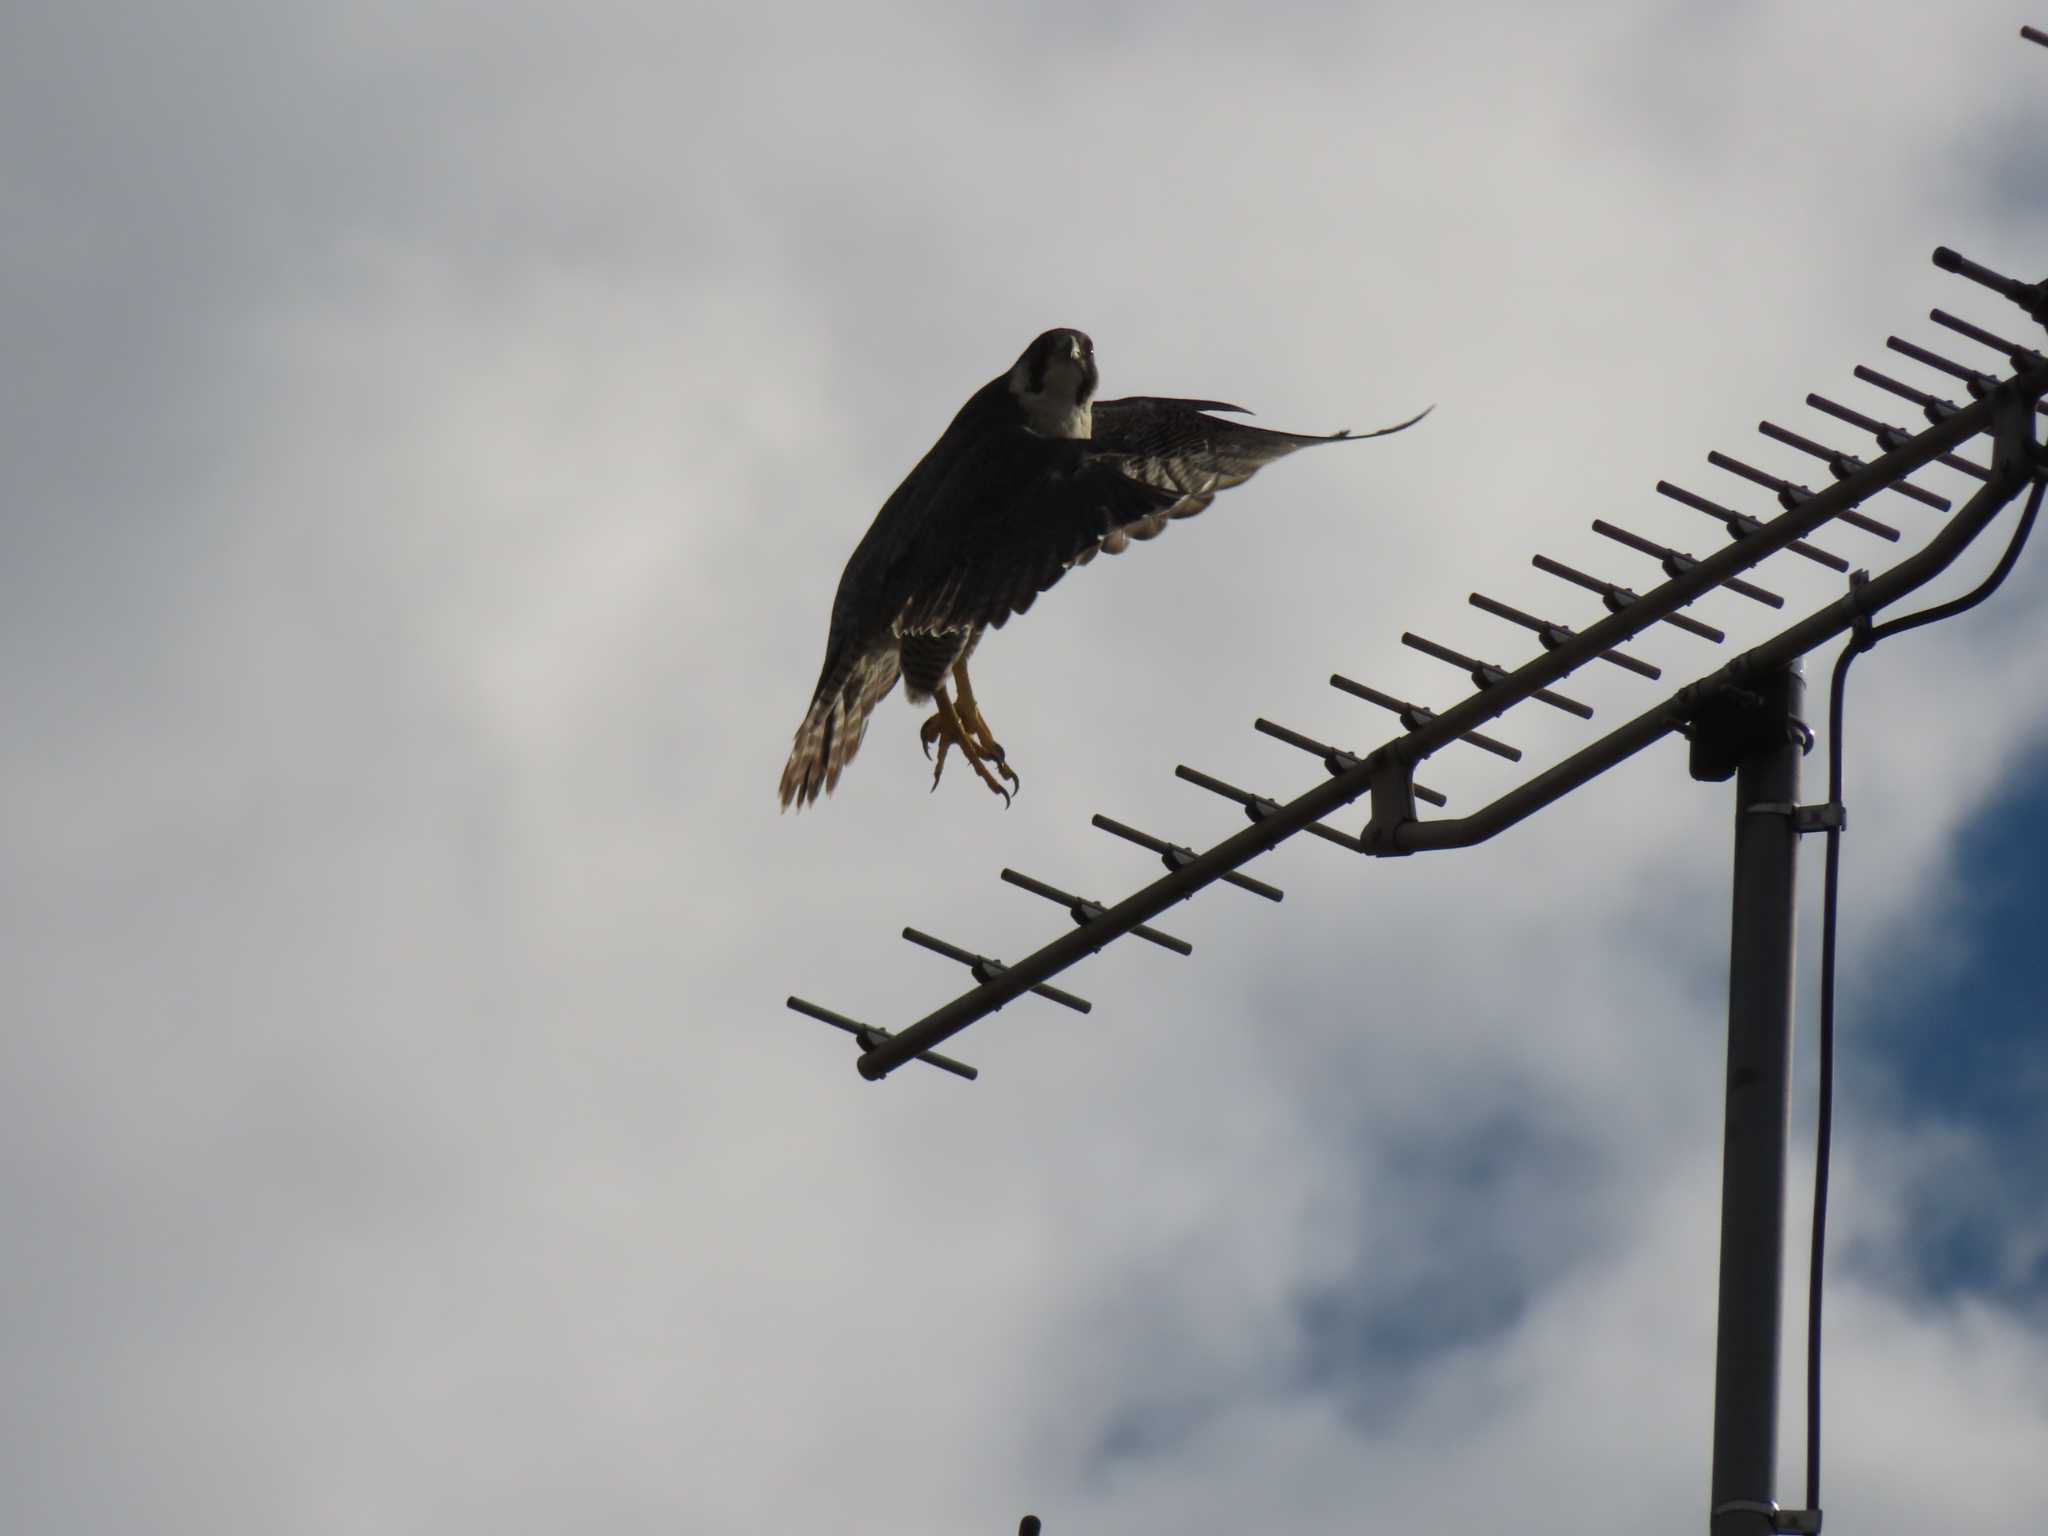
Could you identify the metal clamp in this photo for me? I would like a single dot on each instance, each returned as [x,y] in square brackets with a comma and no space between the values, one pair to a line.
[1790,1522]
[1728,723]
[1831,817]
[1393,805]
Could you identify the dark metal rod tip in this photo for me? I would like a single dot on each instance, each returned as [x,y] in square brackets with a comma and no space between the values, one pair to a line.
[1278,732]
[1560,702]
[1937,409]
[940,946]
[1912,492]
[1805,445]
[1951,260]
[950,1064]
[1367,692]
[1872,526]
[826,1016]
[1216,786]
[1038,887]
[1064,999]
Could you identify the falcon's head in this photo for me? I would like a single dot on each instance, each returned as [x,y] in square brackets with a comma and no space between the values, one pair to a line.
[1054,381]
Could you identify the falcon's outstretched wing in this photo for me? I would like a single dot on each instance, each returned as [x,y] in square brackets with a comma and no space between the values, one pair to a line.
[1178,446]
[1009,522]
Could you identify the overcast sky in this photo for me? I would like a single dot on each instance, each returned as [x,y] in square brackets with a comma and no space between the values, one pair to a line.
[431,436]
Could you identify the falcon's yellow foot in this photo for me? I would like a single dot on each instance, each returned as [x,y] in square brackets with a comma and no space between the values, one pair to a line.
[945,728]
[969,712]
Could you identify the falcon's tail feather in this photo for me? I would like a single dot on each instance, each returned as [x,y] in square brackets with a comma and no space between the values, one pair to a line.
[833,727]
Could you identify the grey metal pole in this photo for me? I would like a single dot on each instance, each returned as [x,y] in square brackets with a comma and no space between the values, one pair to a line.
[1760,983]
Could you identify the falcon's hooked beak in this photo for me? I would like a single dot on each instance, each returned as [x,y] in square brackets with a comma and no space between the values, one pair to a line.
[1084,360]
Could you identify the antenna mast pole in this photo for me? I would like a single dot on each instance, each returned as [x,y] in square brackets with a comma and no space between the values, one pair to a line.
[1761,737]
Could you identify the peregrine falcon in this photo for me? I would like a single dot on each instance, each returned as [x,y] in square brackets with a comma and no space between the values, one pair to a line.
[1034,477]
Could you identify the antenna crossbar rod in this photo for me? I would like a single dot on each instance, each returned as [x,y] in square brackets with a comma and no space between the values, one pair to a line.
[1485,675]
[868,1034]
[1258,807]
[1084,911]
[1740,525]
[1790,494]
[1678,564]
[985,969]
[2016,356]
[1413,715]
[1840,464]
[1552,635]
[1933,407]
[1975,380]
[1174,856]
[1616,597]
[1888,436]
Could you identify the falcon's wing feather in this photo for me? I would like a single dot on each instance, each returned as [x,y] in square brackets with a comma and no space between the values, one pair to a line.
[1016,518]
[869,596]
[1176,445]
